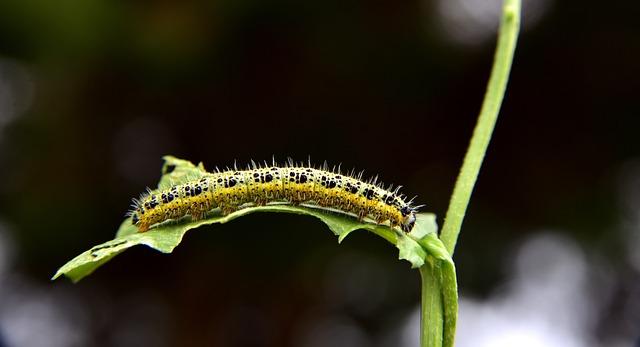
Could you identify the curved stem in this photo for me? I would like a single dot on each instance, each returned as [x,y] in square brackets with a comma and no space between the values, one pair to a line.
[507,37]
[439,289]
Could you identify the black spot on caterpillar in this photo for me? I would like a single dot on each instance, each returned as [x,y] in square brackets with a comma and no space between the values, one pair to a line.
[259,185]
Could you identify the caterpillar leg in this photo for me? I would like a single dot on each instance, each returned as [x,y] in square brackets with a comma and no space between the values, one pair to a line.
[294,201]
[198,215]
[228,209]
[323,202]
[380,220]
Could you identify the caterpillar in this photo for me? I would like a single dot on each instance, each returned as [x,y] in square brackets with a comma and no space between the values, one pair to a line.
[259,185]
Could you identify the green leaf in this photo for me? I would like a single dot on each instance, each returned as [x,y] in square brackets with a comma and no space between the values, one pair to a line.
[177,171]
[167,236]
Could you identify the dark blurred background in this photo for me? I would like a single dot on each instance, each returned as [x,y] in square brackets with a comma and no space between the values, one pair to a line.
[93,93]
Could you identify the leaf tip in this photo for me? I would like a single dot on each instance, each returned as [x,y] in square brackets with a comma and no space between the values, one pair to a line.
[60,273]
[342,236]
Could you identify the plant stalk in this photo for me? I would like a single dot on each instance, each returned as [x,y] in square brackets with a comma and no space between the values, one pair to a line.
[439,288]
[507,38]
[431,308]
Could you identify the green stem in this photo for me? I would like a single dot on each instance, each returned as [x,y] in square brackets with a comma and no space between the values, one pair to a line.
[439,294]
[431,318]
[507,37]
[439,288]
[439,312]
[449,287]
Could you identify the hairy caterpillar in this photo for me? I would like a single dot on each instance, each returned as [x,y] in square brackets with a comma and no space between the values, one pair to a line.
[230,190]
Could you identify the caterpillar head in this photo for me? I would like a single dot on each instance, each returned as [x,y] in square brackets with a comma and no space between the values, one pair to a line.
[134,218]
[408,218]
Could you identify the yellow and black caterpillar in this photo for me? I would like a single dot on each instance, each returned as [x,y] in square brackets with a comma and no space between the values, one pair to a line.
[232,189]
